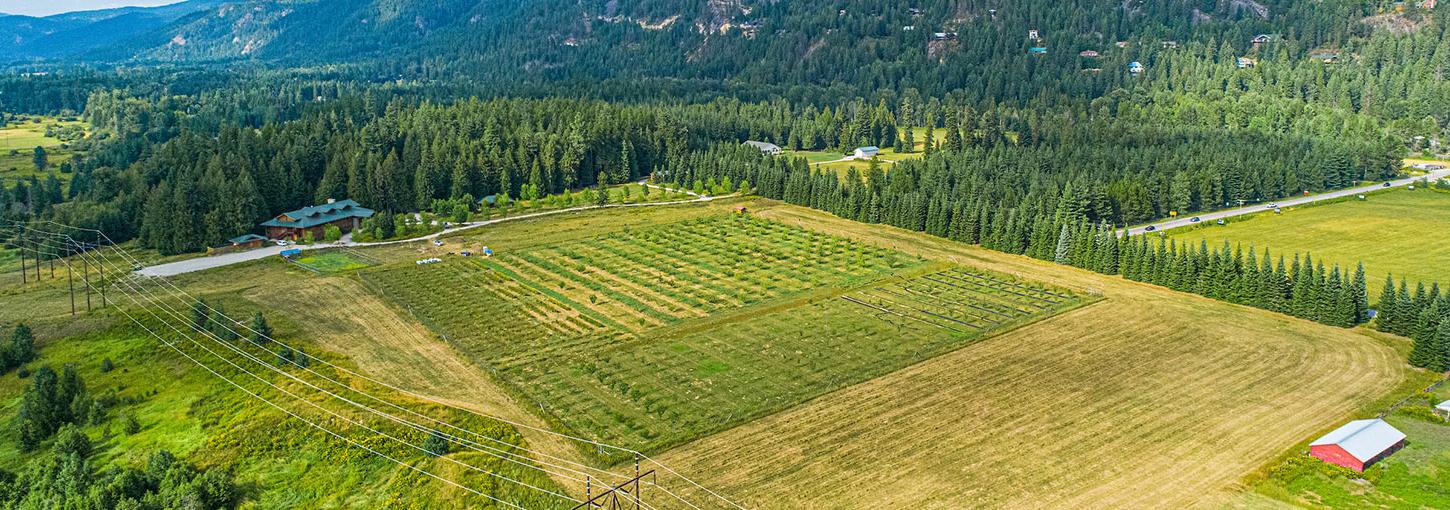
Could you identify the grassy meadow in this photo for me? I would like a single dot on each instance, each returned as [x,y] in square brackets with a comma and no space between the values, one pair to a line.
[1391,232]
[279,461]
[18,141]
[830,159]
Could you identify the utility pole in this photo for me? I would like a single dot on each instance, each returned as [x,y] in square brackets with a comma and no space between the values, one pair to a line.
[20,245]
[86,275]
[71,282]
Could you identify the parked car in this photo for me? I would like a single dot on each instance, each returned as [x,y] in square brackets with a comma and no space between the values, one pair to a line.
[281,242]
[1150,228]
[1223,222]
[1195,219]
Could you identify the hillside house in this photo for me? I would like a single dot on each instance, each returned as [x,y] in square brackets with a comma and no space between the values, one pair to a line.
[1032,34]
[346,215]
[1358,444]
[1245,63]
[866,152]
[1037,50]
[1088,54]
[1135,68]
[944,36]
[766,147]
[1443,410]
[1168,45]
[1262,39]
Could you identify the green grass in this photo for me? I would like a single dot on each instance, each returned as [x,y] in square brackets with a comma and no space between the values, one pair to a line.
[829,159]
[22,137]
[1417,476]
[651,338]
[333,262]
[1393,232]
[281,461]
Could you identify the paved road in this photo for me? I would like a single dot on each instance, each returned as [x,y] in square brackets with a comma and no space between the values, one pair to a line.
[204,263]
[1288,202]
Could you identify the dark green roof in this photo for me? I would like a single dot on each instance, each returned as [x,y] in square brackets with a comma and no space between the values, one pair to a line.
[246,239]
[308,217]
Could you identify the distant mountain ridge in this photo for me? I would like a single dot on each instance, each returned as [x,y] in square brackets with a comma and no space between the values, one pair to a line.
[77,33]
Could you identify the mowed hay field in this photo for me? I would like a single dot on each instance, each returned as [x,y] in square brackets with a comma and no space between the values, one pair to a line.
[1147,399]
[1392,232]
[653,337]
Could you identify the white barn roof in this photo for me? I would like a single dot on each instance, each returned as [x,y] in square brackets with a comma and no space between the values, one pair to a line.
[763,146]
[1444,406]
[1364,439]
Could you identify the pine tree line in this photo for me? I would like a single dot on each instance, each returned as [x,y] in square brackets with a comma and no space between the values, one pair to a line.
[1423,317]
[1054,225]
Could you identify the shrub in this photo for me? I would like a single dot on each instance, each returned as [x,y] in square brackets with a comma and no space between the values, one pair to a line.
[437,445]
[129,424]
[72,441]
[107,365]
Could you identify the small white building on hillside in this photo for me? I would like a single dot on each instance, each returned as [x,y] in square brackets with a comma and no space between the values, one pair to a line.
[766,147]
[867,152]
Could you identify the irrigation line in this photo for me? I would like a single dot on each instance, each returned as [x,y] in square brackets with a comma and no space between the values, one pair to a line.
[1009,291]
[908,288]
[899,314]
[975,291]
[1030,290]
[933,314]
[919,295]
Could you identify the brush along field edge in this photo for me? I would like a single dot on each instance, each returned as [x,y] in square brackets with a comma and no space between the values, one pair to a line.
[1149,398]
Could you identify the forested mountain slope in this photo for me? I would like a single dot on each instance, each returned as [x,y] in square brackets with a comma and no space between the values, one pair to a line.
[71,34]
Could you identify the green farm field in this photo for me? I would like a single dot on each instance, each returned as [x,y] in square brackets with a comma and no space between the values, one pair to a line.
[651,338]
[1388,232]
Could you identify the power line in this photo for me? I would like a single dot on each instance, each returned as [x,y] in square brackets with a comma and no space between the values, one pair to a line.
[586,469]
[288,411]
[212,336]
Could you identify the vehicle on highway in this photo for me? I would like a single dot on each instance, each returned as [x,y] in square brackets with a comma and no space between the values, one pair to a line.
[1387,185]
[1222,222]
[1272,206]
[1150,228]
[1195,219]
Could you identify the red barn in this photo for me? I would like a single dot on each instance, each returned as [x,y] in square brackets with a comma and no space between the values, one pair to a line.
[1358,444]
